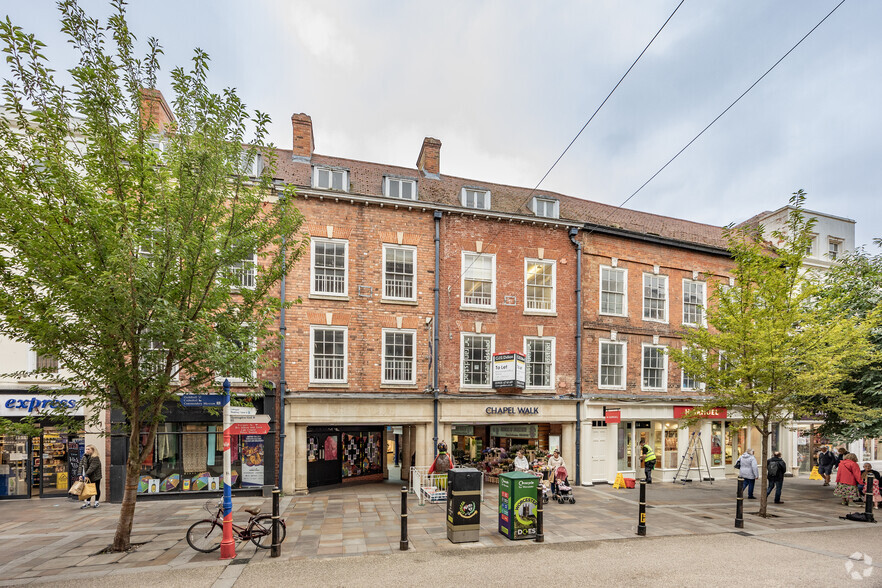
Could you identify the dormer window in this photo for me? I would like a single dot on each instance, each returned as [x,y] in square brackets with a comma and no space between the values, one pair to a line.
[546,207]
[252,164]
[402,188]
[476,198]
[328,178]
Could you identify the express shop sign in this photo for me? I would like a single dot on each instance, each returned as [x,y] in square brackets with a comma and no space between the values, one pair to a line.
[39,404]
[706,413]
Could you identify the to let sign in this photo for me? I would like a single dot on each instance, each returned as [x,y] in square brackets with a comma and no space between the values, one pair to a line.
[710,413]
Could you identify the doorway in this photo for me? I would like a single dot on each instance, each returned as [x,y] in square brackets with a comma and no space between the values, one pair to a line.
[598,454]
[323,459]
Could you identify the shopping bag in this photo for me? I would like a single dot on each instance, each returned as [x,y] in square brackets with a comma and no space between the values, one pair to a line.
[89,490]
[77,488]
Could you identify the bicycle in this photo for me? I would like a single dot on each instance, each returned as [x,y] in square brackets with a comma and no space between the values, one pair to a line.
[206,535]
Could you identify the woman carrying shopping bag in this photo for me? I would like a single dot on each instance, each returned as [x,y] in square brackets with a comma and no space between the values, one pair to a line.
[91,476]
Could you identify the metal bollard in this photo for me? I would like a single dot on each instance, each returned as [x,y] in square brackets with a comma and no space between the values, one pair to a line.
[641,522]
[540,534]
[403,542]
[739,506]
[868,497]
[276,549]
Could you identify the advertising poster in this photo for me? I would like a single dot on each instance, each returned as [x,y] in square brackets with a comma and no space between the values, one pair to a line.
[252,460]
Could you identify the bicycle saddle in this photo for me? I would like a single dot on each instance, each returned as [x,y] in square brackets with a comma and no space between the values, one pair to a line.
[253,511]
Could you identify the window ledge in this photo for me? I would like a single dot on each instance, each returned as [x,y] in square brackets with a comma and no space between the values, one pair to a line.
[657,321]
[478,309]
[540,313]
[399,386]
[599,387]
[343,298]
[610,314]
[394,301]
[653,389]
[328,385]
[476,389]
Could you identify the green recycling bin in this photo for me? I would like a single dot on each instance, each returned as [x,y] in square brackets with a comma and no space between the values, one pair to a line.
[517,505]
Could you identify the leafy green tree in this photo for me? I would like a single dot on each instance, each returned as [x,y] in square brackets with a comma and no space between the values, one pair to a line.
[772,349]
[854,288]
[140,250]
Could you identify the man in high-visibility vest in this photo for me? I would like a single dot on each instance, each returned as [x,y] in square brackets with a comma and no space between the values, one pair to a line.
[648,461]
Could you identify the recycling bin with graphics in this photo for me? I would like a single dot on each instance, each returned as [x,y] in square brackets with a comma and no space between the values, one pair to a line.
[517,505]
[463,505]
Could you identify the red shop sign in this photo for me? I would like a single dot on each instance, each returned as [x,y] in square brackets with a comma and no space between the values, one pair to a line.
[711,413]
[613,416]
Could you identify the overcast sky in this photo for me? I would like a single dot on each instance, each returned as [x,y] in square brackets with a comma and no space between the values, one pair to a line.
[506,85]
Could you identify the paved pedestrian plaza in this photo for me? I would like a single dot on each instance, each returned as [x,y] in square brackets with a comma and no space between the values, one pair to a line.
[52,539]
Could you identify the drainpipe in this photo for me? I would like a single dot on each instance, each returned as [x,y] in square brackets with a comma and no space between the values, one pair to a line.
[437,292]
[282,383]
[574,231]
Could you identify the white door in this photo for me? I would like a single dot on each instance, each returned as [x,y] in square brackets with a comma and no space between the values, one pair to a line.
[598,455]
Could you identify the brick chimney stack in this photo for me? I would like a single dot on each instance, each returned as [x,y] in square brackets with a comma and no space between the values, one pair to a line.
[304,141]
[155,110]
[429,161]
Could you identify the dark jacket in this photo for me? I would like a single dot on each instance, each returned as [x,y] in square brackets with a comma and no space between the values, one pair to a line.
[92,467]
[828,458]
[781,469]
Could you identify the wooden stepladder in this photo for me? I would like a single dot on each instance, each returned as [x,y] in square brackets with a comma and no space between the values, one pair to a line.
[694,458]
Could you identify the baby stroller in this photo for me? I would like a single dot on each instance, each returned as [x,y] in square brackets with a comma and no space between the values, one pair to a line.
[564,493]
[543,487]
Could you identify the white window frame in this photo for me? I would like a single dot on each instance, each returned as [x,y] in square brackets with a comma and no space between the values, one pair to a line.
[624,347]
[312,274]
[464,197]
[241,272]
[553,263]
[831,241]
[462,383]
[316,172]
[413,363]
[667,297]
[32,362]
[552,368]
[462,281]
[699,384]
[624,294]
[812,246]
[551,205]
[413,250]
[387,188]
[643,367]
[703,304]
[345,331]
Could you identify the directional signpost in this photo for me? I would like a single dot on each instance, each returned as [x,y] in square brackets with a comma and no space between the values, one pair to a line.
[250,424]
[227,546]
[202,400]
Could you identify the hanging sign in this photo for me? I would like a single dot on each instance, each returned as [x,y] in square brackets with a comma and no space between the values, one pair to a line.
[509,370]
[711,413]
[613,416]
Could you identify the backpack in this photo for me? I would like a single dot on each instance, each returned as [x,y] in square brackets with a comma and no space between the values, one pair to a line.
[774,468]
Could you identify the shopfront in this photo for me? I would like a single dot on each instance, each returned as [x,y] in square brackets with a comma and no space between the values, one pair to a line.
[46,463]
[344,455]
[612,444]
[186,457]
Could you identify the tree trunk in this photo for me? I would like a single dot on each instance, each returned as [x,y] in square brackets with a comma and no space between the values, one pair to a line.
[121,541]
[764,475]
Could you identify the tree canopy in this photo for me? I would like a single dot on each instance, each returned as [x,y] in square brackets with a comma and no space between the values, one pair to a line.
[142,242]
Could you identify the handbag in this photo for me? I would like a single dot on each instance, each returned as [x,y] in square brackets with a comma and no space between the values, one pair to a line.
[77,488]
[738,464]
[89,490]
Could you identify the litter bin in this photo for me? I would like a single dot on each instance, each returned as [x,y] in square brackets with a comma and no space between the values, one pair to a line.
[463,505]
[517,505]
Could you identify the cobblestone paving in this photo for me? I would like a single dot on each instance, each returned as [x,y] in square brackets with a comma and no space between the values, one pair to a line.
[52,539]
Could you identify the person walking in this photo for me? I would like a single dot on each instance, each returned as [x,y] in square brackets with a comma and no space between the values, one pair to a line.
[648,461]
[775,468]
[826,460]
[749,471]
[848,476]
[92,473]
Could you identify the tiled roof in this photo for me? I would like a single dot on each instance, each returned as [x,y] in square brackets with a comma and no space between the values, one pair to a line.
[367,178]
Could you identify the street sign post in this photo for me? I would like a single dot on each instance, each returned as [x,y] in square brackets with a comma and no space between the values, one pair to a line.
[249,428]
[202,400]
[228,545]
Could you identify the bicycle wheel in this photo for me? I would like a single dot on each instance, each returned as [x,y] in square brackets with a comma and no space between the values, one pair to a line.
[205,536]
[261,530]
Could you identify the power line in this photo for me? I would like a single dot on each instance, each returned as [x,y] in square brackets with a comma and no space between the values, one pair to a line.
[719,116]
[556,161]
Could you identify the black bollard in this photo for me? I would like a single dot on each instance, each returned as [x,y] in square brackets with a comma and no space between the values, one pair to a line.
[540,534]
[739,505]
[641,522]
[276,549]
[403,543]
[868,497]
